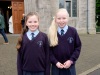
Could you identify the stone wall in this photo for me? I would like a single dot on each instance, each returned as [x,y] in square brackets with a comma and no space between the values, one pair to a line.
[43,7]
[91,16]
[84,22]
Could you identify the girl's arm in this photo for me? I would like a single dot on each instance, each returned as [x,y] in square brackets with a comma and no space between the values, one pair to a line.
[77,48]
[52,57]
[47,71]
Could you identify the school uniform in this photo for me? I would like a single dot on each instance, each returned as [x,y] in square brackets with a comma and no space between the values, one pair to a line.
[33,56]
[68,48]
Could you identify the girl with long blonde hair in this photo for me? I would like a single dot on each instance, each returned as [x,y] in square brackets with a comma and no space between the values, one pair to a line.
[65,45]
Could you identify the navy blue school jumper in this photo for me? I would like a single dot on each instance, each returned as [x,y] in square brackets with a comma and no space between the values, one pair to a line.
[68,48]
[33,56]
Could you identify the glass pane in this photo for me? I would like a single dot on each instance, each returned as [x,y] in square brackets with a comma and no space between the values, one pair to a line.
[74,8]
[68,7]
[74,13]
[61,3]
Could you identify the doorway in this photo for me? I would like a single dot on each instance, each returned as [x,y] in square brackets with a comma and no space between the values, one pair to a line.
[17,11]
[6,11]
[14,8]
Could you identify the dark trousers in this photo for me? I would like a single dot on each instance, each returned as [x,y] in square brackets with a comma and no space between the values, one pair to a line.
[57,71]
[32,73]
[4,35]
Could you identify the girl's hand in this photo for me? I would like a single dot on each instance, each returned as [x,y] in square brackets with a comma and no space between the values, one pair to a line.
[67,64]
[59,65]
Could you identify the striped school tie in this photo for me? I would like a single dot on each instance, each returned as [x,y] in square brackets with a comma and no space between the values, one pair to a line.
[32,36]
[62,32]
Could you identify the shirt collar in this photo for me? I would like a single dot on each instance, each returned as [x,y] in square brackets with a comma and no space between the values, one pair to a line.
[65,29]
[35,32]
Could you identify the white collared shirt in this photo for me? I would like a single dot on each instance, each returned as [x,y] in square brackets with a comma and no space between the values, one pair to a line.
[29,35]
[65,29]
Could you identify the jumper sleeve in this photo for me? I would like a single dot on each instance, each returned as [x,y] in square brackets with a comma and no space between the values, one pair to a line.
[52,57]
[47,71]
[77,48]
[19,63]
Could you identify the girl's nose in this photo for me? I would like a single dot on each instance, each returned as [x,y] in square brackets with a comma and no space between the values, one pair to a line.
[32,23]
[61,20]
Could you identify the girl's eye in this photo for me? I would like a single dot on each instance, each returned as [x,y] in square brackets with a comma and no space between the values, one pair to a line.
[29,21]
[64,18]
[35,21]
[58,18]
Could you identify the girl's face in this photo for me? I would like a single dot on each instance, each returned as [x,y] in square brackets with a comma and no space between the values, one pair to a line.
[61,19]
[32,23]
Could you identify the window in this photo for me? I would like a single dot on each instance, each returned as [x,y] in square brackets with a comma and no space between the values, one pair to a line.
[70,5]
[61,3]
[74,8]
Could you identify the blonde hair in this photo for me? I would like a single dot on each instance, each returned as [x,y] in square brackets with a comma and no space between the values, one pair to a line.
[52,33]
[63,10]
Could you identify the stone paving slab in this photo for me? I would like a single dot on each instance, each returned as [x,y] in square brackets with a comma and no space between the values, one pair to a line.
[90,53]
[89,57]
[93,71]
[96,72]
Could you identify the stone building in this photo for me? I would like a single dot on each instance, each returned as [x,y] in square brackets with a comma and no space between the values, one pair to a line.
[82,13]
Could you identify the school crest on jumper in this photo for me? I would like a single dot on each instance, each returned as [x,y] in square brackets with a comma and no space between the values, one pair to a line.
[40,43]
[70,39]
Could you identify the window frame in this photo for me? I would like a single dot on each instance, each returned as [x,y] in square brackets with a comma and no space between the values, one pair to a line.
[71,7]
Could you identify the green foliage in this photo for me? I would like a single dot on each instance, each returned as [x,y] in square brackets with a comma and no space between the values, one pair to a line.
[98,13]
[98,29]
[98,8]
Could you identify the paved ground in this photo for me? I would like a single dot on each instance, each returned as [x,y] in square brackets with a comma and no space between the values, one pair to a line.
[96,72]
[89,59]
